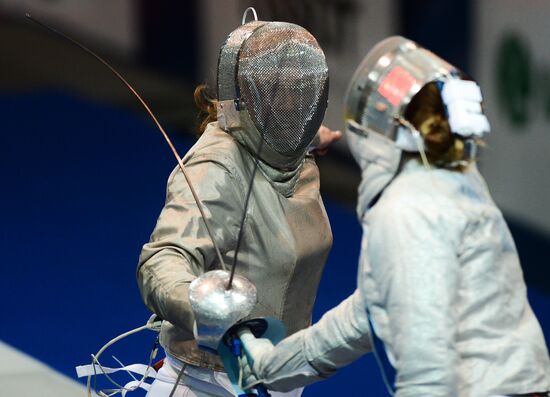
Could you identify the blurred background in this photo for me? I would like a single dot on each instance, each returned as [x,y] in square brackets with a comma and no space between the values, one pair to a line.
[83,168]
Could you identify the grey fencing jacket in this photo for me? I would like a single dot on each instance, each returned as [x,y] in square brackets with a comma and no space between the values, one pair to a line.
[285,244]
[440,275]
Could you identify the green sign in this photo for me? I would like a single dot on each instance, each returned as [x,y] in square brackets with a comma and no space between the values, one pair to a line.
[523,87]
[514,79]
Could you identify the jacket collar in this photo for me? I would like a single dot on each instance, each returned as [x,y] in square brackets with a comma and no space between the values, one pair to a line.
[379,158]
[281,171]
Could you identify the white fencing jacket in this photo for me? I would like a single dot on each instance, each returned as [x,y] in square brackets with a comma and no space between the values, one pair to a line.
[440,275]
[442,281]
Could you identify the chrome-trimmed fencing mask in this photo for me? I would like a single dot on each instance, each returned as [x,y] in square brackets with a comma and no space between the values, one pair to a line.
[382,87]
[387,79]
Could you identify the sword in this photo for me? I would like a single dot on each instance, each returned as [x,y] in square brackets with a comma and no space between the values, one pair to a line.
[155,120]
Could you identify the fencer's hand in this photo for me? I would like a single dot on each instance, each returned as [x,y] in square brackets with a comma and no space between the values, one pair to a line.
[324,138]
[282,367]
[255,351]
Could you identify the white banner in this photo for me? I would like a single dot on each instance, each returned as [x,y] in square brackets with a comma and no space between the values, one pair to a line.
[512,65]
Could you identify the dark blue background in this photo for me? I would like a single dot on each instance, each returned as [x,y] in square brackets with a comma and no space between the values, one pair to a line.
[82,186]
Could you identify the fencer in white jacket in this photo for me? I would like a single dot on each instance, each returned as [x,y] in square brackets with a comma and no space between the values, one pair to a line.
[439,274]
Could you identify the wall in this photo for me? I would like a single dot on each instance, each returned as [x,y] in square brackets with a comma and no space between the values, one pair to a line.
[512,64]
[115,22]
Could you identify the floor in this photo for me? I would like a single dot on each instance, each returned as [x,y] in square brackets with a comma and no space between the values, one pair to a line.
[23,376]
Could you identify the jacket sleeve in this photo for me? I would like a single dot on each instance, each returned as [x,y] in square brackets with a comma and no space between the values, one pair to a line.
[180,248]
[340,337]
[413,259]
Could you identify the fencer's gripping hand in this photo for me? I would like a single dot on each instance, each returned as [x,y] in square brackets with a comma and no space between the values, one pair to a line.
[323,139]
[254,351]
[283,367]
[340,337]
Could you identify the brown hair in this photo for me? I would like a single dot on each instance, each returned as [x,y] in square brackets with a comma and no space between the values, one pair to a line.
[207,107]
[427,114]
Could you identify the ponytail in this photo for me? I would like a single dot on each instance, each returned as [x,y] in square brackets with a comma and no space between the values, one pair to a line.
[207,108]
[426,113]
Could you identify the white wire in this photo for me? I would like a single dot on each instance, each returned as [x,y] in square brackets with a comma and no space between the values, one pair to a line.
[241,370]
[389,388]
[418,139]
[95,358]
[122,366]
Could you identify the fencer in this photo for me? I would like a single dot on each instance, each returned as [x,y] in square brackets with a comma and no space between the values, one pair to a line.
[272,88]
[439,281]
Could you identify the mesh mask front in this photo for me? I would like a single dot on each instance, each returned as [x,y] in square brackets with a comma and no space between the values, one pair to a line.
[282,78]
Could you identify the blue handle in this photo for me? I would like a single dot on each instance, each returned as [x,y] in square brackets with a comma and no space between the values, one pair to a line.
[262,391]
[236,347]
